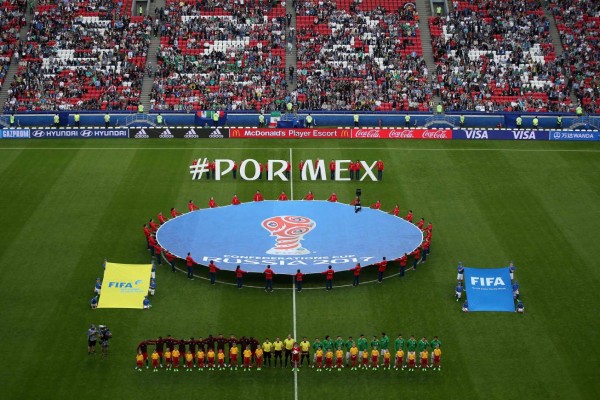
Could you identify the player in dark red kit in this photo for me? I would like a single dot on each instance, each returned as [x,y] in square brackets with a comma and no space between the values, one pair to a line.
[143,347]
[333,198]
[396,211]
[309,196]
[160,349]
[192,206]
[209,342]
[174,213]
[221,342]
[351,168]
[181,346]
[161,219]
[421,223]
[409,216]
[212,203]
[258,196]
[190,266]
[235,200]
[381,267]
[288,170]
[234,170]
[192,346]
[253,346]
[261,169]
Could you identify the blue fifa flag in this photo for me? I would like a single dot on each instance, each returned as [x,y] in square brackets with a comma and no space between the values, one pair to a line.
[489,289]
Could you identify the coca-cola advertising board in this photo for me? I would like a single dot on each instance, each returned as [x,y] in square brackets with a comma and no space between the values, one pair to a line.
[369,133]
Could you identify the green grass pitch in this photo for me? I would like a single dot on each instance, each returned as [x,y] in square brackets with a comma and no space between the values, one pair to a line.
[67,204]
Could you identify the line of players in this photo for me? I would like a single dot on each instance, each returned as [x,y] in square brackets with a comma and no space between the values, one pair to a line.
[328,354]
[419,255]
[458,291]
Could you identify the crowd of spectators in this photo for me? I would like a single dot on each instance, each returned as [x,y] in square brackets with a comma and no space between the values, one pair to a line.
[578,24]
[11,21]
[360,56]
[351,55]
[81,55]
[220,55]
[494,56]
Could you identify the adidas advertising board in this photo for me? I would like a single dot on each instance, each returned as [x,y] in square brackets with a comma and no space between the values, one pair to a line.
[178,133]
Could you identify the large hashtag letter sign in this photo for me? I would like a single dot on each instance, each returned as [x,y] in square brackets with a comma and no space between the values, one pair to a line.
[199,169]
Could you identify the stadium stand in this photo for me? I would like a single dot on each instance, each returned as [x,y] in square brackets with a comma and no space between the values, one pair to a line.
[578,23]
[88,55]
[11,21]
[221,54]
[497,56]
[351,55]
[360,56]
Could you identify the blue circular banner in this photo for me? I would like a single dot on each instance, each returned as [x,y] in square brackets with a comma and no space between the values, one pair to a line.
[289,235]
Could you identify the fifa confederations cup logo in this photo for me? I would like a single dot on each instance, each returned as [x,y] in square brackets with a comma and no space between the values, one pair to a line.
[288,231]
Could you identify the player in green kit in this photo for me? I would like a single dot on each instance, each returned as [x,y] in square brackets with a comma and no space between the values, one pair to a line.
[384,343]
[399,343]
[339,343]
[434,343]
[348,345]
[362,345]
[422,345]
[411,344]
[327,343]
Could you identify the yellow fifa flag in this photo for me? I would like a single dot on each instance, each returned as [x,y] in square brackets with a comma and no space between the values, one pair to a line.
[125,285]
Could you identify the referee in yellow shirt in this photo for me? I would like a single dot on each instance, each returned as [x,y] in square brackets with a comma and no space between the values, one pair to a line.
[289,345]
[277,348]
[266,346]
[305,348]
